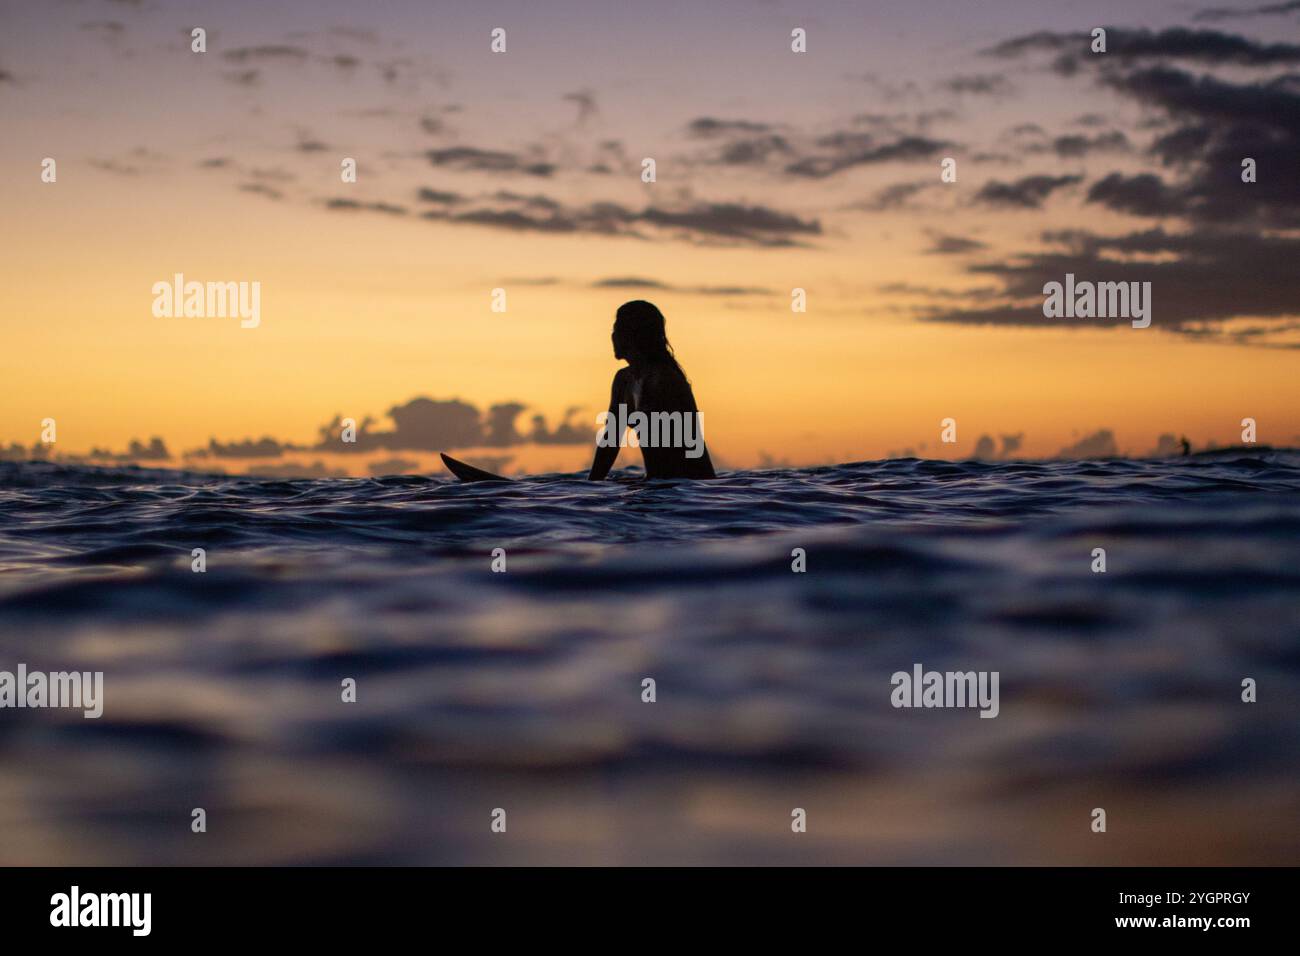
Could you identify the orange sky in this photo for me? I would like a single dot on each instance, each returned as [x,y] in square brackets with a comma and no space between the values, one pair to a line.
[364,310]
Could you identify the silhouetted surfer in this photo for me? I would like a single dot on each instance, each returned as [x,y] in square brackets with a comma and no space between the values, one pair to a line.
[653,397]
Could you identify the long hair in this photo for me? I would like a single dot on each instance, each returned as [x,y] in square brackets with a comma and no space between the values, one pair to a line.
[640,326]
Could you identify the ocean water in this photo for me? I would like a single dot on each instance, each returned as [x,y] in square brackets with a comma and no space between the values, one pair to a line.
[522,690]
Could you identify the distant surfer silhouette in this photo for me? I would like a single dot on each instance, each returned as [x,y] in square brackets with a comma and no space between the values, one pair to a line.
[653,385]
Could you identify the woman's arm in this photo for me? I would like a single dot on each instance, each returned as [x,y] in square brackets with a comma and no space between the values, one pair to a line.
[607,454]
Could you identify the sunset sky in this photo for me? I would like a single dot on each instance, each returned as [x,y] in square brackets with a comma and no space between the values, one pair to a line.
[522,171]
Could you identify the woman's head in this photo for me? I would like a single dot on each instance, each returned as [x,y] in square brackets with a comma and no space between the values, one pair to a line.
[639,334]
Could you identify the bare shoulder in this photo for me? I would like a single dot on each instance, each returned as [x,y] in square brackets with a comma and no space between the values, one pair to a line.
[622,382]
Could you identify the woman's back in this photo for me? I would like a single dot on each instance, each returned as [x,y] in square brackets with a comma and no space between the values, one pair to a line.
[673,439]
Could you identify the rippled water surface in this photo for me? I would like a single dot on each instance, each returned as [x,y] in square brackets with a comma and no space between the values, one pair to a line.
[522,690]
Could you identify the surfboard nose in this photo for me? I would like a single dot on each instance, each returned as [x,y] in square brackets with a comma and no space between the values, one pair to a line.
[465,472]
